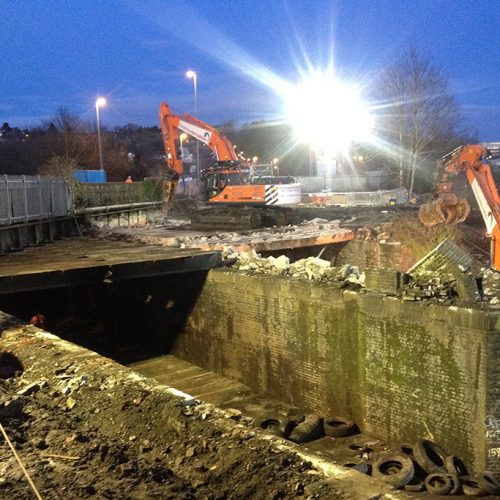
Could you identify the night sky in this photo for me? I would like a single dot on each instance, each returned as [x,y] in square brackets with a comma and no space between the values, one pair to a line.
[135,53]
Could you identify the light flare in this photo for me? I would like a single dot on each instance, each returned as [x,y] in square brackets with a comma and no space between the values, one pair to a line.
[327,114]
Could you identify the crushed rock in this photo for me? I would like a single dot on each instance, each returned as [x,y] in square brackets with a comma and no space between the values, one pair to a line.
[311,268]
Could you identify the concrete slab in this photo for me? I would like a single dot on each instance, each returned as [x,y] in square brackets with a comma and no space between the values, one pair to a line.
[84,261]
[260,240]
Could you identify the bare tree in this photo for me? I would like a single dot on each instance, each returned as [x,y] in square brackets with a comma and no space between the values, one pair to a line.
[70,129]
[60,166]
[418,115]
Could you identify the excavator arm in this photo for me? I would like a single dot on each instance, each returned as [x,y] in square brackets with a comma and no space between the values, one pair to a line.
[234,198]
[448,208]
[172,125]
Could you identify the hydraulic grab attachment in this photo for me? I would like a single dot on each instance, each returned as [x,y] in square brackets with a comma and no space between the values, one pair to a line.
[447,208]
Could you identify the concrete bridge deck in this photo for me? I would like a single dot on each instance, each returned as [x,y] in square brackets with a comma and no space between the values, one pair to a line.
[86,260]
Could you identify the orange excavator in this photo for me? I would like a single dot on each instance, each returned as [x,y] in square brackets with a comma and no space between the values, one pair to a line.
[244,200]
[447,208]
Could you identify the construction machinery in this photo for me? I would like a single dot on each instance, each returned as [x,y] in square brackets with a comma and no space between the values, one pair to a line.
[236,194]
[448,208]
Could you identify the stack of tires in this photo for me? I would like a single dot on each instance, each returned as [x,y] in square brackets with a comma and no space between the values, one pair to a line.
[424,466]
[301,428]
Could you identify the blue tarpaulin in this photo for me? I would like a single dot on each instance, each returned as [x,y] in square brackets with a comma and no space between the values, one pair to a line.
[94,176]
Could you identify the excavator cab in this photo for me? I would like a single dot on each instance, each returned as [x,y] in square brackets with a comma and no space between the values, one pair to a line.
[216,178]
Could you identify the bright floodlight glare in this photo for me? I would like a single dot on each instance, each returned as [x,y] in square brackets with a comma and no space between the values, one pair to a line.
[327,114]
[100,102]
[190,73]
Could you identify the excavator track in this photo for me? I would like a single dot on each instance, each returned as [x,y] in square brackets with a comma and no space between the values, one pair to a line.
[241,218]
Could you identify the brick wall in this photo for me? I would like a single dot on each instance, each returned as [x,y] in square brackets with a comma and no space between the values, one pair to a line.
[401,370]
[372,254]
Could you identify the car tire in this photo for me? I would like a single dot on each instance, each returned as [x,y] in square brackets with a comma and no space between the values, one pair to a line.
[430,456]
[271,423]
[339,427]
[439,483]
[472,489]
[394,469]
[489,483]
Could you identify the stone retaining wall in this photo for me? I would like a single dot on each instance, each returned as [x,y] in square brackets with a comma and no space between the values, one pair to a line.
[401,370]
[373,254]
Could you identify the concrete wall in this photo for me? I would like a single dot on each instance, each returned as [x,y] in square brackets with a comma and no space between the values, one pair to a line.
[401,370]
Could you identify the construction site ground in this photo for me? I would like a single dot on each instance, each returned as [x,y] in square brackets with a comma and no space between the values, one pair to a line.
[86,426]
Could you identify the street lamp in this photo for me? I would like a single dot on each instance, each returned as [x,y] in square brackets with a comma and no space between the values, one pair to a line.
[182,138]
[99,103]
[192,74]
[275,166]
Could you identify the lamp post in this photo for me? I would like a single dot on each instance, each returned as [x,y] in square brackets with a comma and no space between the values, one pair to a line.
[182,138]
[99,103]
[192,74]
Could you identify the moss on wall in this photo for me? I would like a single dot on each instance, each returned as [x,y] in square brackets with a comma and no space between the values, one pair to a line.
[401,370]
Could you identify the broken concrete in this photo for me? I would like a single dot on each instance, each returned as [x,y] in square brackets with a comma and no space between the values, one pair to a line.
[178,235]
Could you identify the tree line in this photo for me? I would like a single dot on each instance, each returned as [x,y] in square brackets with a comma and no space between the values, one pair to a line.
[417,120]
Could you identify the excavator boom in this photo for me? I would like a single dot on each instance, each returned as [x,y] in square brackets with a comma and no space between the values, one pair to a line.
[226,183]
[447,208]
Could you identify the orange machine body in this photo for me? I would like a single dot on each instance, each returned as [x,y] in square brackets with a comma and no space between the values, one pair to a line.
[226,182]
[473,160]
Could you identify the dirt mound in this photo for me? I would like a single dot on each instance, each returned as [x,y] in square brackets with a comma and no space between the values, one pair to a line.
[88,427]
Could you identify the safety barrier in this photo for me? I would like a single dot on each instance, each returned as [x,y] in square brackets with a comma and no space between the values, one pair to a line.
[367,198]
[26,198]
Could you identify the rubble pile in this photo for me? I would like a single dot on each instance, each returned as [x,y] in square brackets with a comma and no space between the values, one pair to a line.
[290,232]
[220,240]
[311,268]
[441,288]
[490,281]
[382,233]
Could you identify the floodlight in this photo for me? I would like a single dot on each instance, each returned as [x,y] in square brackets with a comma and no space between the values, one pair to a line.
[327,114]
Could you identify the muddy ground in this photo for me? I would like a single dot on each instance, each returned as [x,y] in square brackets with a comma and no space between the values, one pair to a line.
[86,427]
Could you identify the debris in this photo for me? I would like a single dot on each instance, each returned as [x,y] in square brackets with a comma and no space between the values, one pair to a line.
[70,403]
[32,388]
[64,457]
[12,408]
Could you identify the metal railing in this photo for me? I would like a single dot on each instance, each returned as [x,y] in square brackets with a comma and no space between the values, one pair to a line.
[370,198]
[26,198]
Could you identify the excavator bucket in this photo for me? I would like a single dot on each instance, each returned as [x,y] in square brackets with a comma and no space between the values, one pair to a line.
[439,212]
[462,210]
[431,213]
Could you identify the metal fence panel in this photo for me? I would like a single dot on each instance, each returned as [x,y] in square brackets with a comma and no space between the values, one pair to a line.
[59,197]
[25,198]
[312,184]
[4,201]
